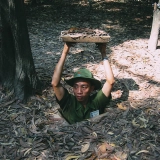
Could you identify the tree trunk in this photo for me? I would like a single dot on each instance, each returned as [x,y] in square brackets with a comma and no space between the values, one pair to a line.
[153,40]
[17,66]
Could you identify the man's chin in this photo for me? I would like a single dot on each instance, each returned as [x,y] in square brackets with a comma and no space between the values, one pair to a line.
[80,99]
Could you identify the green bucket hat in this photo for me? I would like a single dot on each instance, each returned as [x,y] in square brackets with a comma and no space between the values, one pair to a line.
[85,74]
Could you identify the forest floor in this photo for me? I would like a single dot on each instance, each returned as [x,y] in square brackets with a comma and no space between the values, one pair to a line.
[130,128]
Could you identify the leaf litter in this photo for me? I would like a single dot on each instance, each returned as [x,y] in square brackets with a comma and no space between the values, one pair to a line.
[130,128]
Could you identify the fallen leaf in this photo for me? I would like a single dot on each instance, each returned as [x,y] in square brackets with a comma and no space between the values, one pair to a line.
[105,147]
[143,119]
[94,134]
[120,106]
[135,123]
[72,157]
[28,151]
[116,158]
[85,147]
[102,148]
[110,133]
[142,151]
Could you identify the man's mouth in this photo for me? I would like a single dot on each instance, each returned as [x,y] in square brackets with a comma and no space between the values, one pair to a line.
[79,97]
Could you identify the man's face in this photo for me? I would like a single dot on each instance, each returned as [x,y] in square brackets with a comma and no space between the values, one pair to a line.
[82,89]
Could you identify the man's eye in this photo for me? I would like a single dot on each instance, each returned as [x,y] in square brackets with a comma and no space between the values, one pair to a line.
[75,87]
[84,87]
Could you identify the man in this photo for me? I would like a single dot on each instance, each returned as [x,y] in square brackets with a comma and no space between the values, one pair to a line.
[82,105]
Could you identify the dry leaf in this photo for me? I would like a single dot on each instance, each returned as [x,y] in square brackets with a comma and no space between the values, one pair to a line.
[116,158]
[94,134]
[104,155]
[105,147]
[135,123]
[112,144]
[120,106]
[143,119]
[110,133]
[102,148]
[85,147]
[70,157]
[27,151]
[120,155]
[142,151]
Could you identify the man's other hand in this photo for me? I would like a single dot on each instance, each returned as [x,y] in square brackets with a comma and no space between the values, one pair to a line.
[70,44]
[102,48]
[67,46]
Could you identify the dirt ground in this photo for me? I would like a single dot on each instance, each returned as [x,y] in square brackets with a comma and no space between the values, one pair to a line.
[130,128]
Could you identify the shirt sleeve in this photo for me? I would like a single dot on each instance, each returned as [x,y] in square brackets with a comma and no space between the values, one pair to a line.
[102,101]
[62,103]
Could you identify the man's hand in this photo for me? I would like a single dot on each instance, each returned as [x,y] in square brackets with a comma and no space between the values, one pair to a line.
[102,48]
[67,46]
[70,44]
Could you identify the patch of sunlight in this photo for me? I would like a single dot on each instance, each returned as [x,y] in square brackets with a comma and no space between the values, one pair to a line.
[116,94]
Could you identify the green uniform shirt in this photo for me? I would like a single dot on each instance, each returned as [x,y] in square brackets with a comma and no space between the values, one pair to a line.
[73,111]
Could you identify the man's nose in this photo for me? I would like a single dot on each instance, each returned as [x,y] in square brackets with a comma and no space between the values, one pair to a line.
[79,90]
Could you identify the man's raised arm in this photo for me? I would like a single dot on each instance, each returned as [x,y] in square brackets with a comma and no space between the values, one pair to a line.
[57,87]
[108,71]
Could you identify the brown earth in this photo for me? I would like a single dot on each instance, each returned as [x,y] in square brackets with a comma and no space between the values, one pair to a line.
[130,129]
